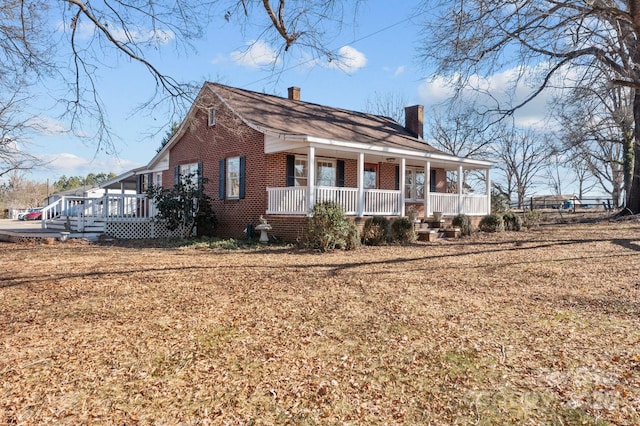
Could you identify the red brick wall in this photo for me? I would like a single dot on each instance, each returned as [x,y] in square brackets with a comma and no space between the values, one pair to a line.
[387,176]
[229,137]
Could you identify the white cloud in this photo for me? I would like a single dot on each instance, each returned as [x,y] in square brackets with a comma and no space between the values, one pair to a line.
[507,88]
[348,60]
[257,54]
[399,70]
[73,165]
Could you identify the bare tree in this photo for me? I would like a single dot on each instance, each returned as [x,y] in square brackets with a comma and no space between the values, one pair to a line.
[461,133]
[583,175]
[597,123]
[18,192]
[13,123]
[389,104]
[88,32]
[554,39]
[522,162]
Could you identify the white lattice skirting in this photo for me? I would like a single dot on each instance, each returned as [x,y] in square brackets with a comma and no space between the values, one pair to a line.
[138,230]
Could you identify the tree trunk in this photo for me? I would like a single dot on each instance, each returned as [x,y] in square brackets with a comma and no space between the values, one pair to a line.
[627,161]
[633,195]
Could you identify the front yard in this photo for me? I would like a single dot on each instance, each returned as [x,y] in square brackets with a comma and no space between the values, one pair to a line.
[537,327]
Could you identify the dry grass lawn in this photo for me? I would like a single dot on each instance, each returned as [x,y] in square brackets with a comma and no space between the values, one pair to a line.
[540,327]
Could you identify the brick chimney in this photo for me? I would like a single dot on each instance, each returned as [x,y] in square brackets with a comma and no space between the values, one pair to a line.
[414,120]
[294,93]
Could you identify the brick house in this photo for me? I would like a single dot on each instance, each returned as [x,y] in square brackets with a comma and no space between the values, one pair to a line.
[273,156]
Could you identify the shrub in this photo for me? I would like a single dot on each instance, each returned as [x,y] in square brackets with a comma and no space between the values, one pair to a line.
[329,229]
[376,231]
[512,221]
[184,207]
[402,230]
[532,218]
[463,222]
[492,223]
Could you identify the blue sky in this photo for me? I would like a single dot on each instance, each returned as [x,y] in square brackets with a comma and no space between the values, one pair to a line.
[380,52]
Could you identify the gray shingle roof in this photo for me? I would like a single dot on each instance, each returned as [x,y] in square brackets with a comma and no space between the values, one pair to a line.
[291,117]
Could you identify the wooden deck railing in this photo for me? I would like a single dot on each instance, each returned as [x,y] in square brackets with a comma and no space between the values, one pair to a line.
[111,207]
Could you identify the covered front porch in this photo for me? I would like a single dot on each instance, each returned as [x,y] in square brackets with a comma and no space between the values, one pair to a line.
[379,181]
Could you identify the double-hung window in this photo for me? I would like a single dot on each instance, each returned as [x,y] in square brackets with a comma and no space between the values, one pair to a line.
[370,176]
[231,183]
[301,171]
[233,177]
[328,171]
[325,172]
[189,173]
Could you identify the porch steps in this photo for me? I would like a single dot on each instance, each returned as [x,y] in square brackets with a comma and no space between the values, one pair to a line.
[93,227]
[431,230]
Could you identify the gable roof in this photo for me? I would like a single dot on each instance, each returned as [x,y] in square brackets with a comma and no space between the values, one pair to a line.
[284,116]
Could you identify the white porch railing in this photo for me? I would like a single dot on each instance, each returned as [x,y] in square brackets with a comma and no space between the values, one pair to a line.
[111,207]
[293,201]
[449,204]
[381,202]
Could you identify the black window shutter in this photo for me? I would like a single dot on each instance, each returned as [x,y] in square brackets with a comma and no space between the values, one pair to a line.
[138,184]
[149,181]
[340,173]
[176,175]
[199,177]
[291,170]
[397,178]
[242,177]
[433,181]
[221,178]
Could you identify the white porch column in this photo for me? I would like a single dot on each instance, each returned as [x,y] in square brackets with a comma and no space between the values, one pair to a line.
[488,180]
[311,178]
[427,189]
[403,166]
[460,187]
[361,184]
[121,200]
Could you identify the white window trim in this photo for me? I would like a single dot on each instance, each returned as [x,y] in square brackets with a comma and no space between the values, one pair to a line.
[211,116]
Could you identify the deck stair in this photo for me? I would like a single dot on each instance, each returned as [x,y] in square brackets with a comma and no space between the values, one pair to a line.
[78,227]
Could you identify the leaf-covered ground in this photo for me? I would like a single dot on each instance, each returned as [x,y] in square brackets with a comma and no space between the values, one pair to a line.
[538,327]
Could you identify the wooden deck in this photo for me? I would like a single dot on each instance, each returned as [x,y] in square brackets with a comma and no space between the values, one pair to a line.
[17,231]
